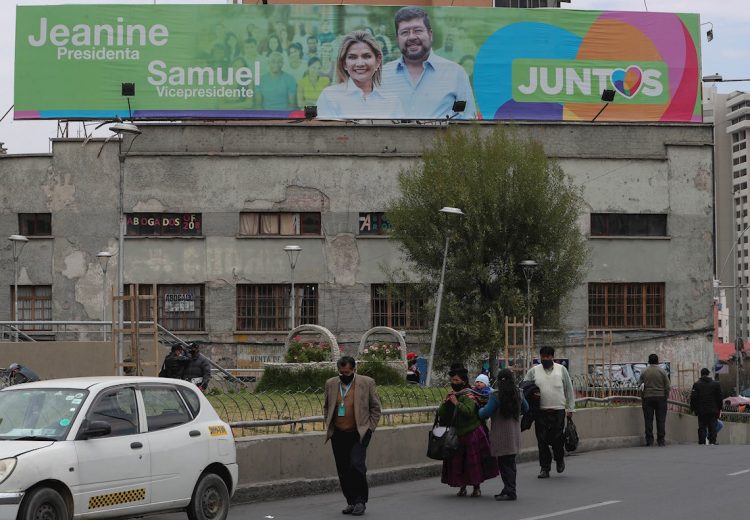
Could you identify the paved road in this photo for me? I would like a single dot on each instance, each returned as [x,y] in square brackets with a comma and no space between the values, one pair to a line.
[680,482]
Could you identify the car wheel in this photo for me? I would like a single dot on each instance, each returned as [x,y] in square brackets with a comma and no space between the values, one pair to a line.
[210,500]
[44,504]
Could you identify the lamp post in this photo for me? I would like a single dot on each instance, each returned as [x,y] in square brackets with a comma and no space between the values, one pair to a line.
[528,266]
[293,253]
[448,211]
[18,241]
[718,78]
[103,258]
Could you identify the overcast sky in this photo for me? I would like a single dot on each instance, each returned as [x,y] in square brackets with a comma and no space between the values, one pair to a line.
[728,54]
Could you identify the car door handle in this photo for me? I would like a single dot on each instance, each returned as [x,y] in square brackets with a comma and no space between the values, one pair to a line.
[195,433]
[136,445]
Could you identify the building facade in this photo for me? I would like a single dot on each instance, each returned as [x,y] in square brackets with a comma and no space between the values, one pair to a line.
[210,207]
[730,115]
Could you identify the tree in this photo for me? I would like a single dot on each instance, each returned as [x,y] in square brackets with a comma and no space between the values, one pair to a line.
[518,205]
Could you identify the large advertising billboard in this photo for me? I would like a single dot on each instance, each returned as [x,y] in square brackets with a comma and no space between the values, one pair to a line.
[354,62]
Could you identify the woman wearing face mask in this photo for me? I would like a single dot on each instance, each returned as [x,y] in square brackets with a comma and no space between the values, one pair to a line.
[504,407]
[472,464]
[357,93]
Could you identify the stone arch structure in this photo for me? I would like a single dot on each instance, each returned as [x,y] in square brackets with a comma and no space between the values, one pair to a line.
[384,330]
[335,351]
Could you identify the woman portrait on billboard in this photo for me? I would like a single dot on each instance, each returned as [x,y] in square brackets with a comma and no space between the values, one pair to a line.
[357,93]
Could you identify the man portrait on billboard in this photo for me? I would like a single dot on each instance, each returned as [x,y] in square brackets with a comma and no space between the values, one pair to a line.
[426,83]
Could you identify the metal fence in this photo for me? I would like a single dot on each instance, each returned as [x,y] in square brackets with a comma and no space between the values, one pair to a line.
[259,413]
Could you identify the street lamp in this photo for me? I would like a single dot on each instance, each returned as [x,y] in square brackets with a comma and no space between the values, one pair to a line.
[18,241]
[103,258]
[293,253]
[528,266]
[448,211]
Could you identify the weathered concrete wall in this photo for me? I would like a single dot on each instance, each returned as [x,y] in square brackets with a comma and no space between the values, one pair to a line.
[59,359]
[341,170]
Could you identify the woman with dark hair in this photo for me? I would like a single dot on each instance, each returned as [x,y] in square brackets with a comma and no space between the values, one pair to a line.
[473,463]
[504,408]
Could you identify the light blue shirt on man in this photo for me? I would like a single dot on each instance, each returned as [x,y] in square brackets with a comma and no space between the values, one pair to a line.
[432,95]
[346,100]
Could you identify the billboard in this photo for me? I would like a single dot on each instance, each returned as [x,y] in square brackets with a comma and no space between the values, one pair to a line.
[270,61]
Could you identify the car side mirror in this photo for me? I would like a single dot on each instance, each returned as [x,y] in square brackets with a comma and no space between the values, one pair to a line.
[93,429]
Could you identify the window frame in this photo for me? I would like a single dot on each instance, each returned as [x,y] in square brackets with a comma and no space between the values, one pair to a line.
[33,299]
[249,307]
[600,224]
[414,316]
[627,305]
[379,224]
[316,216]
[144,310]
[23,226]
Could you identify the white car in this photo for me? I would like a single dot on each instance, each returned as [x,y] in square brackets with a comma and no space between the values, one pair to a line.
[112,447]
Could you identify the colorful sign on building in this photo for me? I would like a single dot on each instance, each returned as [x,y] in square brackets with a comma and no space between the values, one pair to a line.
[270,61]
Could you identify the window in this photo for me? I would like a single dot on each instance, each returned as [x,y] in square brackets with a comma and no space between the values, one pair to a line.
[626,305]
[117,408]
[373,224]
[164,408]
[266,307]
[35,224]
[279,224]
[397,306]
[180,307]
[164,224]
[629,224]
[34,304]
[192,400]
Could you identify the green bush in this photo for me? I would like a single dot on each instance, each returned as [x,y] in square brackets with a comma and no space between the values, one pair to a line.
[304,378]
[382,373]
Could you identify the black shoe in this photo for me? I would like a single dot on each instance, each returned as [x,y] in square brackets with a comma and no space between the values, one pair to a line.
[502,497]
[348,509]
[560,466]
[543,474]
[359,509]
[649,443]
[662,444]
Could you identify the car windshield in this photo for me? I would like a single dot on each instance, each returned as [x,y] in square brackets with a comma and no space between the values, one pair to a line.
[39,413]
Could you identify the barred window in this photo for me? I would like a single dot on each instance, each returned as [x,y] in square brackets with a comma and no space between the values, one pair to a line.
[626,305]
[266,307]
[179,307]
[34,304]
[35,224]
[279,224]
[397,306]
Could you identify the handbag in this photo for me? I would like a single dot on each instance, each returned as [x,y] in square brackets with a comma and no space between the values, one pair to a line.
[442,441]
[571,436]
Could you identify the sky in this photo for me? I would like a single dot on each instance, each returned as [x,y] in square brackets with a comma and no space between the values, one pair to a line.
[727,54]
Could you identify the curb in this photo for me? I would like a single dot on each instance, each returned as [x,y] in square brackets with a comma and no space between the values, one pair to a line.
[283,489]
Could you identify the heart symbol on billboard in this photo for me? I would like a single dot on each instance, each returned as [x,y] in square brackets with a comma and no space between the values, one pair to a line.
[627,81]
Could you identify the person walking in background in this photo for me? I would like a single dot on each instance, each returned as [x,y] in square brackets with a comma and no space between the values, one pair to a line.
[351,412]
[705,401]
[198,370]
[654,382]
[504,408]
[473,463]
[556,402]
[175,363]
